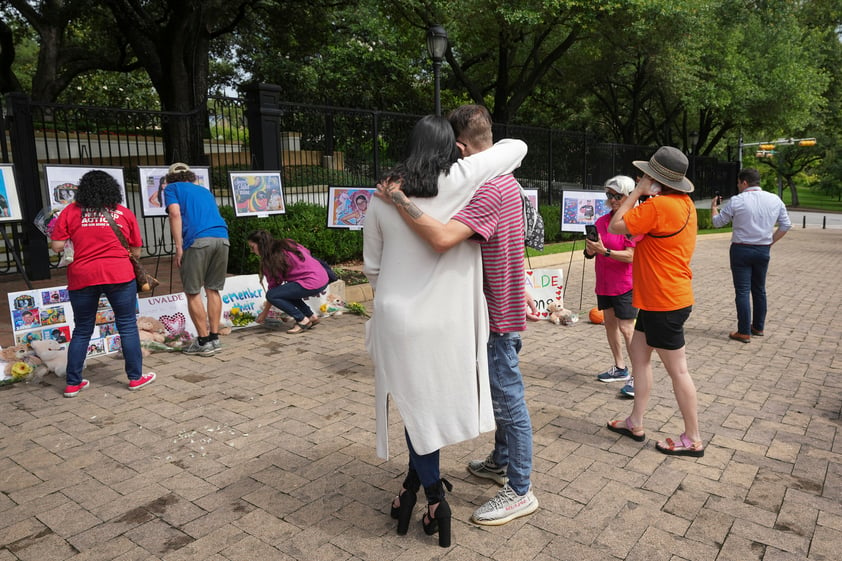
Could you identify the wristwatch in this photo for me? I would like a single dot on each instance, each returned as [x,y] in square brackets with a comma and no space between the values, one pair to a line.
[608,253]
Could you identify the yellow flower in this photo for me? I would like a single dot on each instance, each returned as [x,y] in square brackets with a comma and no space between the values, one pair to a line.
[235,311]
[21,370]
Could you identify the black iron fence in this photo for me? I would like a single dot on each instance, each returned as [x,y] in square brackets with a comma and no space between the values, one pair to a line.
[313,147]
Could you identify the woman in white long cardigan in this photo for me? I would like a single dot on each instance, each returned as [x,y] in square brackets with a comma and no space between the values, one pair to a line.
[427,336]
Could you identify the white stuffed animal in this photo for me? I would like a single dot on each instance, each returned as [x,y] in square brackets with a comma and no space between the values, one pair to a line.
[52,355]
[560,315]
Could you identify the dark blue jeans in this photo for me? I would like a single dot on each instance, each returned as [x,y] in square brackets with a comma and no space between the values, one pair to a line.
[84,302]
[427,466]
[749,264]
[289,296]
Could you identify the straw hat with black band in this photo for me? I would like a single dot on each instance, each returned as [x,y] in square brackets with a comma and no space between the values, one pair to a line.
[667,166]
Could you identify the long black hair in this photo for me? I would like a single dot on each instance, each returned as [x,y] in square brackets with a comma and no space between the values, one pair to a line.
[432,150]
[98,189]
[272,253]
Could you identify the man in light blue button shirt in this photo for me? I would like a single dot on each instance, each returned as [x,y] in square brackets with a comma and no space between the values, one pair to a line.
[754,213]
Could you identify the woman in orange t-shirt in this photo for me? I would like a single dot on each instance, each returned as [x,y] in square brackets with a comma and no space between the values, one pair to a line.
[663,291]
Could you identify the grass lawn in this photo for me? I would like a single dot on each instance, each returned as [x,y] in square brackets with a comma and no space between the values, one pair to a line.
[812,200]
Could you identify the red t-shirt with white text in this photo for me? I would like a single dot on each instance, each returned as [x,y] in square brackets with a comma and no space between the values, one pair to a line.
[99,257]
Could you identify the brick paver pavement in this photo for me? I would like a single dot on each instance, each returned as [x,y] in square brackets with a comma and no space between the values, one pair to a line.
[266,451]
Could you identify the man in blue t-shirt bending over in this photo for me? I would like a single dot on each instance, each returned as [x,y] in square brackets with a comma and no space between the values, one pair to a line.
[201,243]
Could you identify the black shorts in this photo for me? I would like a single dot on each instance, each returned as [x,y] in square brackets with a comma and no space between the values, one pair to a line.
[622,304]
[664,330]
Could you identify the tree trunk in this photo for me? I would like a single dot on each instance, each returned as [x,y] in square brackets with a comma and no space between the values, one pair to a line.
[794,191]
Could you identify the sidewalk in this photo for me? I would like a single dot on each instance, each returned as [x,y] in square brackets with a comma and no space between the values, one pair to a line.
[266,451]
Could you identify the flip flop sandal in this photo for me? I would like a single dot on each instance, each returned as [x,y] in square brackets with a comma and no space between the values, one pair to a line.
[684,447]
[626,429]
[299,328]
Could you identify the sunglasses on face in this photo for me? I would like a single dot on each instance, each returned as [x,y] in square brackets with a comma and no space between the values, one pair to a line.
[615,196]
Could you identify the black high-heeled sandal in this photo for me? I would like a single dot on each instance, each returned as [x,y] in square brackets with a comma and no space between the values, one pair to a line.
[441,521]
[406,502]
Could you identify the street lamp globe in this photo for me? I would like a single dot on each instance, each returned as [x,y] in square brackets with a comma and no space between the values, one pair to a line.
[436,42]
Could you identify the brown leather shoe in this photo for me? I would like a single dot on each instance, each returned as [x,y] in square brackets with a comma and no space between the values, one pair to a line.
[737,336]
[756,333]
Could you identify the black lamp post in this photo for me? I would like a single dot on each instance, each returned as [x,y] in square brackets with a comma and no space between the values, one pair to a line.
[436,47]
[694,139]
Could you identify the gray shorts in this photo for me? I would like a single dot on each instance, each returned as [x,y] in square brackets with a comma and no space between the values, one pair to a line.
[204,264]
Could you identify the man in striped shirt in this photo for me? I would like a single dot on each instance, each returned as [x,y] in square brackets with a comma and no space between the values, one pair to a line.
[493,218]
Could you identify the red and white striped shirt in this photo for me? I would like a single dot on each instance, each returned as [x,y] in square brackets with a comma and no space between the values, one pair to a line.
[495,214]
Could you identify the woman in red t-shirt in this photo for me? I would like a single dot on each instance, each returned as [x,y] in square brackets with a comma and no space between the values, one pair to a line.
[100,266]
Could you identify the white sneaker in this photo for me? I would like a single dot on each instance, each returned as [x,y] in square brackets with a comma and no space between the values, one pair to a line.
[487,469]
[505,507]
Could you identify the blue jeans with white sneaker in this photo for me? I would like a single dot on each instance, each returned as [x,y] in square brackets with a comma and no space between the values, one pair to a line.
[85,302]
[513,437]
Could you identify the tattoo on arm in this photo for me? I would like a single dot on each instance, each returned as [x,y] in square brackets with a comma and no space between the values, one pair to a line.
[401,201]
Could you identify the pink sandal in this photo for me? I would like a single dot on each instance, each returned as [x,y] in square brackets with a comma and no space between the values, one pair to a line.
[626,429]
[684,447]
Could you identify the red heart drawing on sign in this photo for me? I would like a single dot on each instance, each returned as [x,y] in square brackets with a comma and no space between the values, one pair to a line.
[175,323]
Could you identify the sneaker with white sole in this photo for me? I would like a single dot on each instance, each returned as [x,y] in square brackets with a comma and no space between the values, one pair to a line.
[142,382]
[73,391]
[614,374]
[194,348]
[487,469]
[505,507]
[217,346]
[628,389]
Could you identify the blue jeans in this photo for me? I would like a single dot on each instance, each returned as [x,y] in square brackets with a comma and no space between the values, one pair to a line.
[749,264]
[513,437]
[289,298]
[84,302]
[427,466]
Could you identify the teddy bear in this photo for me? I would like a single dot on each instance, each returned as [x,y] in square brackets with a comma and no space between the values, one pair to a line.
[333,306]
[152,335]
[560,315]
[151,329]
[52,355]
[20,363]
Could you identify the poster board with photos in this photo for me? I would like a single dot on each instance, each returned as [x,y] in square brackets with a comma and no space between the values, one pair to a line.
[63,182]
[9,202]
[347,206]
[582,207]
[257,193]
[45,313]
[151,179]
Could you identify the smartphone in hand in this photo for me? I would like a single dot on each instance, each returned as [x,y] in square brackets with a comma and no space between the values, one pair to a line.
[590,233]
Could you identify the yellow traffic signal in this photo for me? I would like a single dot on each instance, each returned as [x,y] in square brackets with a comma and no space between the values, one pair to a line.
[767,146]
[807,142]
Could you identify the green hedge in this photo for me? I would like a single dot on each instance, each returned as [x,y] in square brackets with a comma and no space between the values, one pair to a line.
[303,222]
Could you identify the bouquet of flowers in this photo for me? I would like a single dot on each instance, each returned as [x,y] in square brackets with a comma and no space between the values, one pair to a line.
[240,318]
[45,221]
